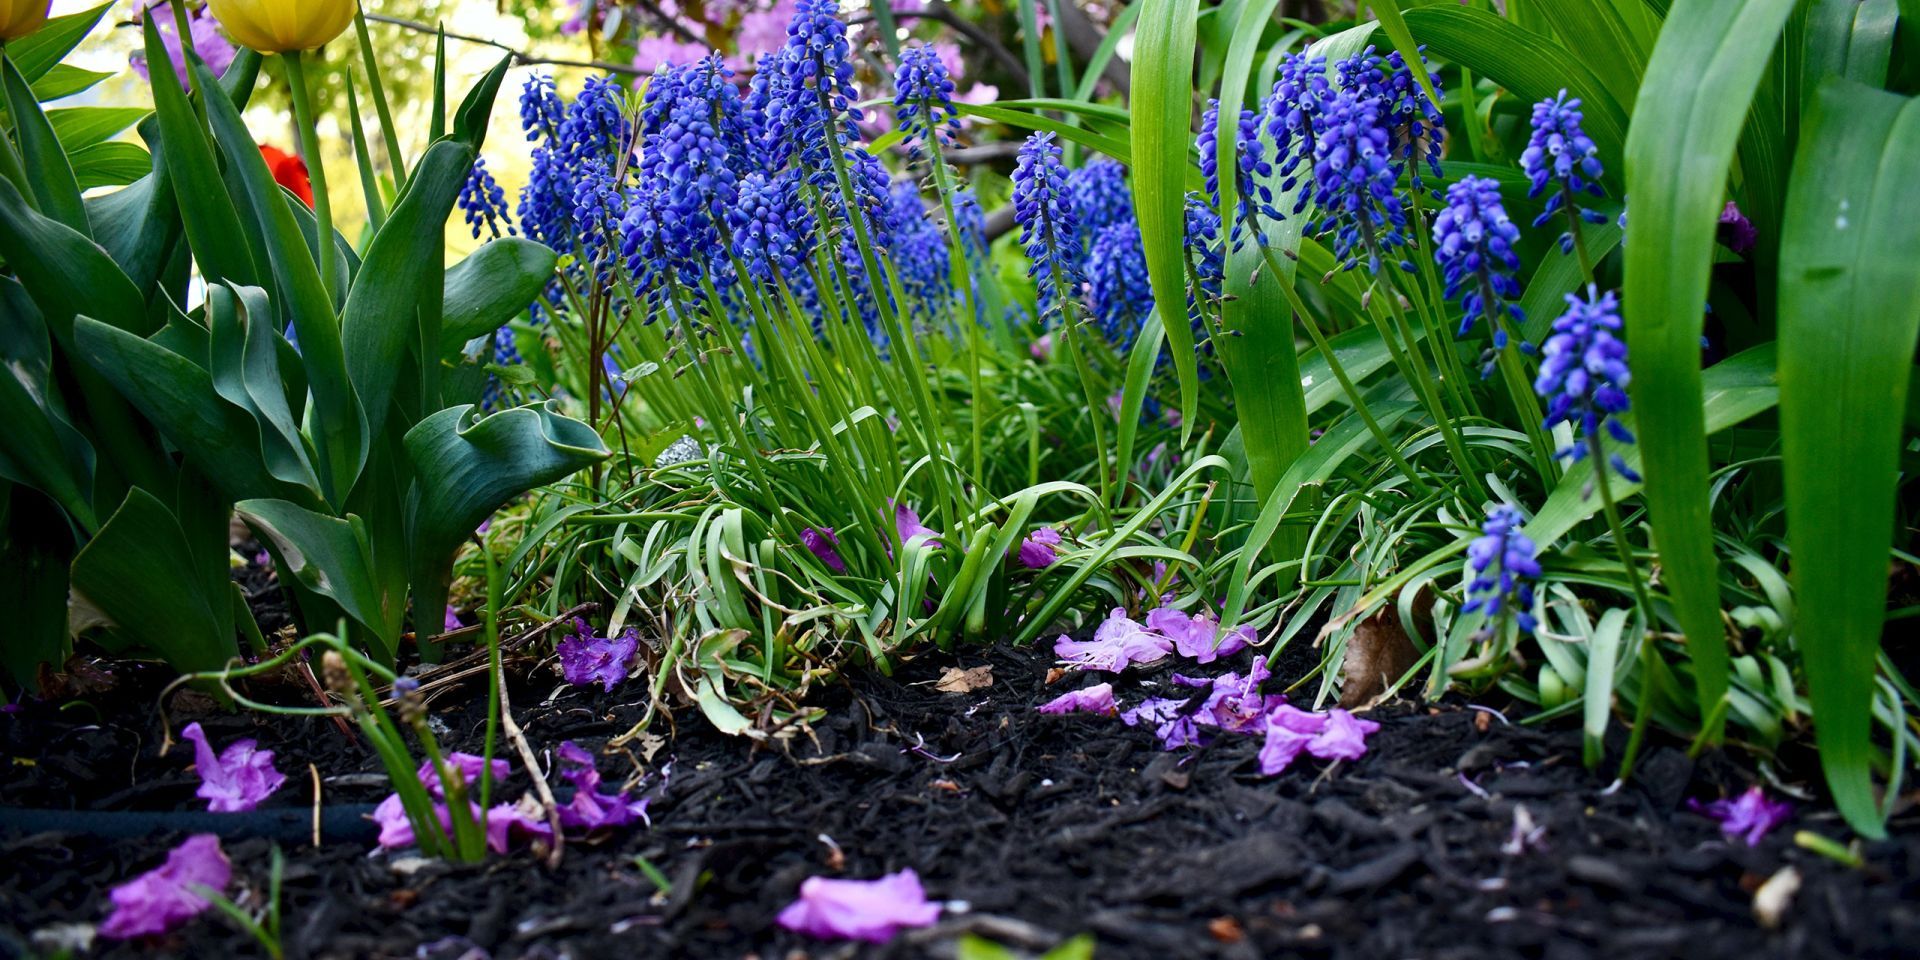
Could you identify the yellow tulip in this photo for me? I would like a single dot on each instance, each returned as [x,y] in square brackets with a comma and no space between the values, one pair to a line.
[281,26]
[21,17]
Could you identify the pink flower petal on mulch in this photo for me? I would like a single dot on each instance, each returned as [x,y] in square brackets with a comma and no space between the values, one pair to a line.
[1117,644]
[1343,738]
[1198,637]
[590,809]
[586,659]
[167,896]
[869,910]
[1283,745]
[1174,728]
[238,778]
[1095,699]
[1749,816]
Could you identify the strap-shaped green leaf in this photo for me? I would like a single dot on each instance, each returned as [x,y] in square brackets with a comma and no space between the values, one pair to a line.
[36,548]
[379,322]
[328,555]
[243,358]
[466,465]
[340,428]
[39,446]
[49,172]
[65,272]
[1849,317]
[85,126]
[206,210]
[1693,103]
[1162,93]
[140,579]
[493,285]
[41,52]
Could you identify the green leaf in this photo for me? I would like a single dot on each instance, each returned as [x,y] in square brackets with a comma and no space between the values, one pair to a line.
[1117,149]
[466,465]
[244,361]
[112,164]
[493,285]
[382,316]
[66,80]
[85,126]
[340,425]
[51,179]
[65,272]
[138,577]
[1162,103]
[207,211]
[1606,42]
[42,51]
[39,447]
[1395,27]
[36,547]
[1693,103]
[328,556]
[178,395]
[1531,65]
[1848,38]
[470,120]
[1849,318]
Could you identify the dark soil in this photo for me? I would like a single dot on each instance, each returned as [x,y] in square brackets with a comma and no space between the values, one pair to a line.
[1045,826]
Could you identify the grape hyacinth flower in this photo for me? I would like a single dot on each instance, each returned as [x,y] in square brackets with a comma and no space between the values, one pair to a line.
[1293,112]
[1561,156]
[590,809]
[1473,244]
[1504,568]
[1047,228]
[1416,122]
[1119,291]
[1206,269]
[1098,197]
[1095,699]
[919,249]
[1037,550]
[1354,179]
[873,911]
[1736,231]
[1750,816]
[823,543]
[810,95]
[923,97]
[238,778]
[485,203]
[771,228]
[1253,196]
[693,137]
[168,895]
[1117,643]
[1584,376]
[586,659]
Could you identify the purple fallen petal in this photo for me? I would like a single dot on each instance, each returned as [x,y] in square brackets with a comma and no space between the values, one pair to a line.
[1749,816]
[1343,738]
[822,542]
[869,910]
[166,896]
[1095,699]
[236,780]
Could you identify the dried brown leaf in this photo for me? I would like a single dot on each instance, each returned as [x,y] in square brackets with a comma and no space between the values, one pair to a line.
[956,680]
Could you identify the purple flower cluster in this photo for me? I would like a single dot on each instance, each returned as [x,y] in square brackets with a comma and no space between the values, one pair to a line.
[485,203]
[501,822]
[1048,230]
[1354,176]
[1504,568]
[1037,550]
[1293,117]
[590,808]
[1333,735]
[1119,292]
[693,150]
[923,96]
[1251,174]
[1561,157]
[203,30]
[1418,128]
[1097,195]
[1584,376]
[1473,243]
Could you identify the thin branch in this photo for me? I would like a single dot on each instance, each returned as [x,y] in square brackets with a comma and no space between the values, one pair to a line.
[519,56]
[939,13]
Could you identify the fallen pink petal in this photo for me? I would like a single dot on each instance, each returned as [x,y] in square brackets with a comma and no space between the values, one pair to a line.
[238,778]
[587,659]
[1095,699]
[1117,644]
[1749,816]
[873,911]
[168,895]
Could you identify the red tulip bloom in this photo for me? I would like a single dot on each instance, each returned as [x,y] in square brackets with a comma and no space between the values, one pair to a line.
[290,172]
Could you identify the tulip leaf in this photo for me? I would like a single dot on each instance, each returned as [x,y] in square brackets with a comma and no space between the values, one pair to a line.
[36,548]
[244,362]
[39,447]
[492,286]
[206,207]
[65,272]
[51,179]
[327,555]
[466,465]
[41,52]
[139,578]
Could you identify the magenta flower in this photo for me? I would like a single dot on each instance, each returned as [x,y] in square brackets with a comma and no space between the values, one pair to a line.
[1343,738]
[1235,703]
[1198,637]
[1042,349]
[397,831]
[869,910]
[908,525]
[1289,731]
[1736,231]
[586,659]
[1117,644]
[1036,551]
[207,43]
[1750,816]
[451,621]
[236,780]
[1174,728]
[823,542]
[525,818]
[1095,699]
[168,895]
[590,809]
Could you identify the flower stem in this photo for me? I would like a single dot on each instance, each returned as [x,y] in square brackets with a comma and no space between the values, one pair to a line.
[304,120]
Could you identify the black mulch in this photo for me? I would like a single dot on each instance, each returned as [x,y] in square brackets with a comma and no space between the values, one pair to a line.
[1045,826]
